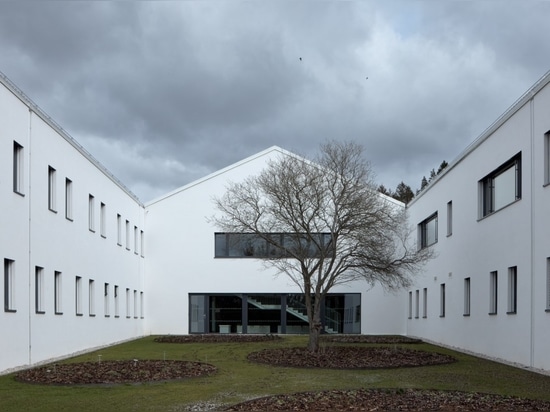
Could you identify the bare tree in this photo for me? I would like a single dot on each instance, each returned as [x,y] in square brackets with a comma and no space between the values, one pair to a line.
[337,226]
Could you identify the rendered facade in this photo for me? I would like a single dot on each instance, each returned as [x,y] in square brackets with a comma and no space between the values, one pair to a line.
[86,264]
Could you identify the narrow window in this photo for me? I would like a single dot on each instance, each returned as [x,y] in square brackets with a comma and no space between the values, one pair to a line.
[91,213]
[17,168]
[547,158]
[142,243]
[449,218]
[410,305]
[57,298]
[102,223]
[119,229]
[127,235]
[68,199]
[141,310]
[493,293]
[512,289]
[136,240]
[117,310]
[425,303]
[52,195]
[127,302]
[91,297]
[417,304]
[427,230]
[106,308]
[442,300]
[548,284]
[135,304]
[9,285]
[39,290]
[78,295]
[501,187]
[466,296]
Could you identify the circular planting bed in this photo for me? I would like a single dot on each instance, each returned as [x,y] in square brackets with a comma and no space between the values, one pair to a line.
[115,372]
[390,400]
[350,357]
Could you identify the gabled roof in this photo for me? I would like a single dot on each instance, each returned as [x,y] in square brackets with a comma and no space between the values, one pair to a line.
[272,149]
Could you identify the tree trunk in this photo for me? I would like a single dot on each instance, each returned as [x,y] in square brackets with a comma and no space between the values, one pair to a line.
[315,326]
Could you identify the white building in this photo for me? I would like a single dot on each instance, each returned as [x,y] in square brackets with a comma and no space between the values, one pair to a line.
[87,265]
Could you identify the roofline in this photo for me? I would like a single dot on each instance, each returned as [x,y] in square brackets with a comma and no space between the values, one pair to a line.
[220,172]
[503,118]
[34,108]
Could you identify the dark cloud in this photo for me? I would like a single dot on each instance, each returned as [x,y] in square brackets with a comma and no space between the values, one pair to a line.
[163,93]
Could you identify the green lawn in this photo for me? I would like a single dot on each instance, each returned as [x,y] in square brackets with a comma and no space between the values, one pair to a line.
[238,380]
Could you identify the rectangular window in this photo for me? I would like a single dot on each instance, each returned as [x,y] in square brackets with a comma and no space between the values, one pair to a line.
[102,223]
[141,309]
[57,293]
[127,302]
[78,295]
[493,293]
[18,165]
[117,299]
[466,296]
[547,158]
[449,218]
[271,245]
[442,300]
[501,187]
[9,285]
[142,243]
[119,229]
[68,199]
[548,284]
[417,304]
[427,231]
[91,297]
[39,290]
[512,289]
[127,235]
[410,305]
[135,304]
[91,213]
[52,191]
[106,307]
[425,303]
[136,240]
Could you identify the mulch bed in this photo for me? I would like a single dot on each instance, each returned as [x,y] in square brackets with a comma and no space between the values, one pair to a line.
[378,339]
[390,400]
[115,372]
[216,338]
[350,357]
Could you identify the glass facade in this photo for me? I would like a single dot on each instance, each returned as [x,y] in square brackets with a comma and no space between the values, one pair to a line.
[270,313]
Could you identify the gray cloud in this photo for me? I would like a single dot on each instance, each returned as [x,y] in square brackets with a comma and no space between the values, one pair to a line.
[163,93]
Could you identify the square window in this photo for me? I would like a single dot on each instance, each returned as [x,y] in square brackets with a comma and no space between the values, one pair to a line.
[427,231]
[501,187]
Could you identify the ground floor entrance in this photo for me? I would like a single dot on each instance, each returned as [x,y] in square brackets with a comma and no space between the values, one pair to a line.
[271,313]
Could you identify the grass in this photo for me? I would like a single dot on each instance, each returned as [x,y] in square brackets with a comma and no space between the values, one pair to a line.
[238,380]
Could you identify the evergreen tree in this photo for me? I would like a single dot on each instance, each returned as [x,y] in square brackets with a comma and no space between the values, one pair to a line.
[403,193]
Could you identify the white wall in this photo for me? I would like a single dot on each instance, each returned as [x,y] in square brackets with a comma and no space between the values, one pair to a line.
[33,235]
[180,258]
[512,236]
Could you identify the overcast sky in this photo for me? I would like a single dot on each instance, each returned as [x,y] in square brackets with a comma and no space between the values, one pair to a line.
[163,93]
